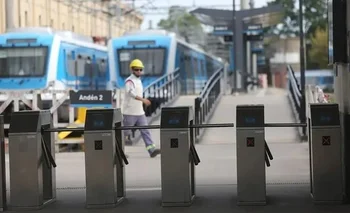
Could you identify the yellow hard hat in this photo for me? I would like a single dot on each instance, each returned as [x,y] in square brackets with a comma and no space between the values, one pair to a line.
[136,63]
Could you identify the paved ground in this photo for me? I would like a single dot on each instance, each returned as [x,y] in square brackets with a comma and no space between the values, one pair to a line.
[277,110]
[287,178]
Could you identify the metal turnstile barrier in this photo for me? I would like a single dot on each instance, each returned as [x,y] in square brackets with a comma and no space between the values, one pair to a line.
[3,200]
[325,147]
[179,156]
[252,154]
[104,158]
[32,160]
[32,142]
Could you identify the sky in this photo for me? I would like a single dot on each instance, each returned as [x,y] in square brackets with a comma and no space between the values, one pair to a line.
[155,18]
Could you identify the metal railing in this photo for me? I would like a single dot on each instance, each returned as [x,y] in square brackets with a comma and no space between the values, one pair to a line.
[162,91]
[295,98]
[205,103]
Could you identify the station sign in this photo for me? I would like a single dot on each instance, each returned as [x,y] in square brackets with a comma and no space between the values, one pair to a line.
[254,32]
[222,30]
[91,98]
[261,60]
[257,47]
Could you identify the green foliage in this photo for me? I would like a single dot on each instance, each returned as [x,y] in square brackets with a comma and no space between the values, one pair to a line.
[315,21]
[182,22]
[318,53]
[315,16]
[289,25]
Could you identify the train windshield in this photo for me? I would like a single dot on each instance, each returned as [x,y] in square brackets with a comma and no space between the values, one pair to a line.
[23,61]
[153,60]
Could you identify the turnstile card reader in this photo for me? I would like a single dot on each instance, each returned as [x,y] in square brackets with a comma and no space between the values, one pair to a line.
[31,155]
[250,135]
[178,157]
[327,183]
[105,171]
[3,197]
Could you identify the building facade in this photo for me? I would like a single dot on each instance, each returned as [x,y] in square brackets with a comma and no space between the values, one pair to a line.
[283,52]
[90,18]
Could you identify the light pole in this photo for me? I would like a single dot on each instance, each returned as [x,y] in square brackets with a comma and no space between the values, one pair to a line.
[234,86]
[302,64]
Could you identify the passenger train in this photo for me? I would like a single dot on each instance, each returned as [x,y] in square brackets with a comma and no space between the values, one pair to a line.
[41,59]
[161,52]
[322,78]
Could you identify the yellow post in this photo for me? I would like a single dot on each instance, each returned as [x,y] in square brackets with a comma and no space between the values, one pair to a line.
[80,120]
[81,115]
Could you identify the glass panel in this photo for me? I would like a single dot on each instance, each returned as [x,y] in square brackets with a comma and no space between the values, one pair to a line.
[23,62]
[153,60]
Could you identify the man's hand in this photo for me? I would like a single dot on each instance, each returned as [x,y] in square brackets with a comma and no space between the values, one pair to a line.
[146,102]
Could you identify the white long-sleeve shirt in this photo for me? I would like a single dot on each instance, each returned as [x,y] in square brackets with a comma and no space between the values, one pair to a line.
[133,88]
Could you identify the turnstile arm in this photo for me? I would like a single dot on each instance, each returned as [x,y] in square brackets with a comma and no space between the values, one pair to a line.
[119,152]
[268,155]
[268,151]
[47,155]
[194,155]
[267,161]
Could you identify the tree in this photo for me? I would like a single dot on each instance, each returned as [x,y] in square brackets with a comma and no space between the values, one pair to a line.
[184,24]
[289,24]
[315,16]
[318,53]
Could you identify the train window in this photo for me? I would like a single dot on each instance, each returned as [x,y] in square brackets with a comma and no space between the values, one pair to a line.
[79,66]
[153,59]
[84,66]
[188,67]
[23,61]
[89,69]
[101,66]
[195,66]
[202,67]
[328,80]
[70,63]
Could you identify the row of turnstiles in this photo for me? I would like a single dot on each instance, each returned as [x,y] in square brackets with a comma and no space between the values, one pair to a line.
[32,157]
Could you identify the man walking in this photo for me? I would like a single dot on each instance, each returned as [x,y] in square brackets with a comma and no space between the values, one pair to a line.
[133,112]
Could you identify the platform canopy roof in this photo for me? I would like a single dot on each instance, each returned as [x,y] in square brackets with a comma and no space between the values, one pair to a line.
[267,16]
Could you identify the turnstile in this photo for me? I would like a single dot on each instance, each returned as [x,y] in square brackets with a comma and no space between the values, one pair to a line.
[179,156]
[250,141]
[104,166]
[326,163]
[31,154]
[3,200]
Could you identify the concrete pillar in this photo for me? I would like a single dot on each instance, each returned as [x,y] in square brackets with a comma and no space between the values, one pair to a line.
[10,11]
[255,68]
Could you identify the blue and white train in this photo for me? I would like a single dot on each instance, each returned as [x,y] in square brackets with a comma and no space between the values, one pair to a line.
[321,78]
[161,52]
[43,59]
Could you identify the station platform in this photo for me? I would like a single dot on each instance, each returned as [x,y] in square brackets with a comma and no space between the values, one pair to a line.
[288,187]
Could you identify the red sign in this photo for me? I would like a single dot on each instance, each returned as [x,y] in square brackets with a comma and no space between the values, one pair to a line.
[326,140]
[250,142]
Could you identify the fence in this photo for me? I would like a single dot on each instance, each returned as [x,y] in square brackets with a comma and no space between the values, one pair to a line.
[207,100]
[295,98]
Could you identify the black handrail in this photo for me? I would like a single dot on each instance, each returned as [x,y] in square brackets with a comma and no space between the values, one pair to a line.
[295,97]
[161,91]
[205,103]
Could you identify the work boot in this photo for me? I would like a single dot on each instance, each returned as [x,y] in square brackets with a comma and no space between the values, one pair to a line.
[155,153]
